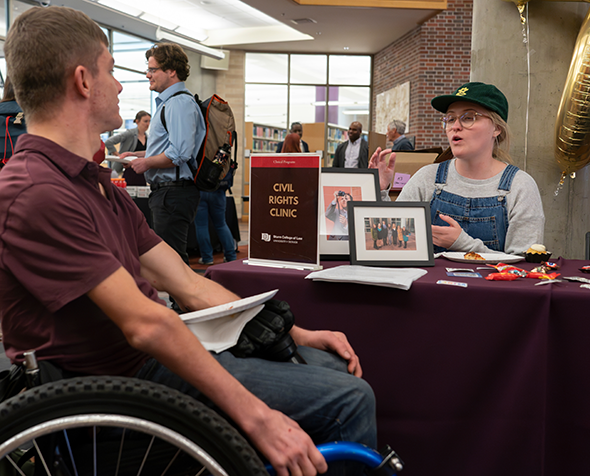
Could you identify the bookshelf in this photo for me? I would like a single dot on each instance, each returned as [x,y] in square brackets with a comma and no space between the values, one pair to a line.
[264,138]
[259,138]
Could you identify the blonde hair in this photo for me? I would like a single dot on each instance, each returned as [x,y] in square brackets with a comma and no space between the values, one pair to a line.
[502,142]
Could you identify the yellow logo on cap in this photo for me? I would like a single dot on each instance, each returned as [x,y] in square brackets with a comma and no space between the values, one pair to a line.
[462,92]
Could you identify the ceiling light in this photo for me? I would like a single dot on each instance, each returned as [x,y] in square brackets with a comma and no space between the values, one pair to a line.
[193,45]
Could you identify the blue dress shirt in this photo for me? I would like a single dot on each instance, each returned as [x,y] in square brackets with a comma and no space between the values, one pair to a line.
[186,131]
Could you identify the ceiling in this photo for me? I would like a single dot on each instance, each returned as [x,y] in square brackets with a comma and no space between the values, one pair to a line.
[362,30]
[256,25]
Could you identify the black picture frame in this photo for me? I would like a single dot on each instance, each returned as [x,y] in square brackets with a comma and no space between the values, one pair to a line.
[414,220]
[363,185]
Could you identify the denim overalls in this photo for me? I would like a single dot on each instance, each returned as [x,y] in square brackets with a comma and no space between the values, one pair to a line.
[483,218]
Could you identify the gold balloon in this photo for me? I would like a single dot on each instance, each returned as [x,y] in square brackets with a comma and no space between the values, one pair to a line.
[572,127]
[518,3]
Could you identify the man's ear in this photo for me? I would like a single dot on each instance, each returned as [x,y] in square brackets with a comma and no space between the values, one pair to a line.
[82,81]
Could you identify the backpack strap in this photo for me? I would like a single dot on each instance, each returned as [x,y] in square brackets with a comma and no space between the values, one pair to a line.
[163,120]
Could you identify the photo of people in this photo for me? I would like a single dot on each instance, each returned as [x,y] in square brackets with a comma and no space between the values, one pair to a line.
[390,234]
[337,198]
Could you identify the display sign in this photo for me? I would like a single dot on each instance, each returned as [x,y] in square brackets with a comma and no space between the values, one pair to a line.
[284,210]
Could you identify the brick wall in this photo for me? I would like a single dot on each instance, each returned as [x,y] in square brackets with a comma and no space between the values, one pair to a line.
[436,59]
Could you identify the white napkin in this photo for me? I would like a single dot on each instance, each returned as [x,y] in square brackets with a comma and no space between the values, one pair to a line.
[400,278]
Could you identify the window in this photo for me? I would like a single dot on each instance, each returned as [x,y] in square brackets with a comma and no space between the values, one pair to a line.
[286,88]
[130,64]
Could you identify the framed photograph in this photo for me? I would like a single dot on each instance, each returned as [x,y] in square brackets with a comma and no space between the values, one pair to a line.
[390,234]
[338,186]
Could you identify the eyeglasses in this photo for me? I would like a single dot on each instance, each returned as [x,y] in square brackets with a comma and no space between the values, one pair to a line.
[466,120]
[151,70]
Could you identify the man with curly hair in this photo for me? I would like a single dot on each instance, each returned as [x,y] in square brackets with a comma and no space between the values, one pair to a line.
[172,148]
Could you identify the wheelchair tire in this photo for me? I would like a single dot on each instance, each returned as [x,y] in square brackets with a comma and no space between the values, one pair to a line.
[113,425]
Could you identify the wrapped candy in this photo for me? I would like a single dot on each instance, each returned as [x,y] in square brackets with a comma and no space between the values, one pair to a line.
[508,268]
[542,275]
[503,276]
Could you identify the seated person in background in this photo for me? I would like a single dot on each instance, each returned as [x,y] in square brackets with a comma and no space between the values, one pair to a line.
[353,153]
[80,269]
[291,144]
[296,128]
[478,201]
[131,140]
[395,134]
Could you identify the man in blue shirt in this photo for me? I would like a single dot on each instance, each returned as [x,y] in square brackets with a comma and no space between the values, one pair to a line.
[172,147]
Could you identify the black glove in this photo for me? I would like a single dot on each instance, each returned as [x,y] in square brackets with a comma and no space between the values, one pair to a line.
[267,334]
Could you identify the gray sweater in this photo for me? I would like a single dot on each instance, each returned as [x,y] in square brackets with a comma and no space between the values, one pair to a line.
[127,139]
[526,220]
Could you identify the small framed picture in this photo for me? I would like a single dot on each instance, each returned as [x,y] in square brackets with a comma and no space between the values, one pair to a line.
[338,186]
[390,234]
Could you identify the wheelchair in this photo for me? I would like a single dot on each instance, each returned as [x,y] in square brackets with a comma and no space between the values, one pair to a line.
[124,426]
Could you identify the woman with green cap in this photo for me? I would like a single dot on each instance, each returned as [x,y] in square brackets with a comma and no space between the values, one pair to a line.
[479,201]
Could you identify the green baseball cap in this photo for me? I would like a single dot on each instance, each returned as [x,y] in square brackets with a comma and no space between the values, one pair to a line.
[486,95]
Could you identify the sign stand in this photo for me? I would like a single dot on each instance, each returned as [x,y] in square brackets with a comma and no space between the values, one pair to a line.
[284,210]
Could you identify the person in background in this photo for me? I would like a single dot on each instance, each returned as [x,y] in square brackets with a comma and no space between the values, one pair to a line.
[296,128]
[13,122]
[375,236]
[175,140]
[390,234]
[213,204]
[353,153]
[131,140]
[395,135]
[291,143]
[478,201]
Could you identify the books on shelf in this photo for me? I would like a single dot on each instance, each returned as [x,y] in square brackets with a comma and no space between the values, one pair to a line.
[265,132]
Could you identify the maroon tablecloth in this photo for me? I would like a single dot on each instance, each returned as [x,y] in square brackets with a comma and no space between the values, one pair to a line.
[485,380]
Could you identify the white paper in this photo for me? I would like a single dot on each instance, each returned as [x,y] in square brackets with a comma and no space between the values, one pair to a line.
[228,308]
[400,278]
[218,328]
[114,158]
[223,332]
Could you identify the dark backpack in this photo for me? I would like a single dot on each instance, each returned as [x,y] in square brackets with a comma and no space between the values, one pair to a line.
[13,125]
[220,134]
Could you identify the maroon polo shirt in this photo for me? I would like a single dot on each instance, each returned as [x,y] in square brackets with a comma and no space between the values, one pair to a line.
[59,238]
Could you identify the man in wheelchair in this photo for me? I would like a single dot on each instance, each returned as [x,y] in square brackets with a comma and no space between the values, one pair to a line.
[80,269]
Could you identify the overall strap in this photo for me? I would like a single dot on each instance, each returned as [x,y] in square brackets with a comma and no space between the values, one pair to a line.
[508,177]
[441,176]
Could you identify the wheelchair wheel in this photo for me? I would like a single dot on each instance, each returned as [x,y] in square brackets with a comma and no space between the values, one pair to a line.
[118,426]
